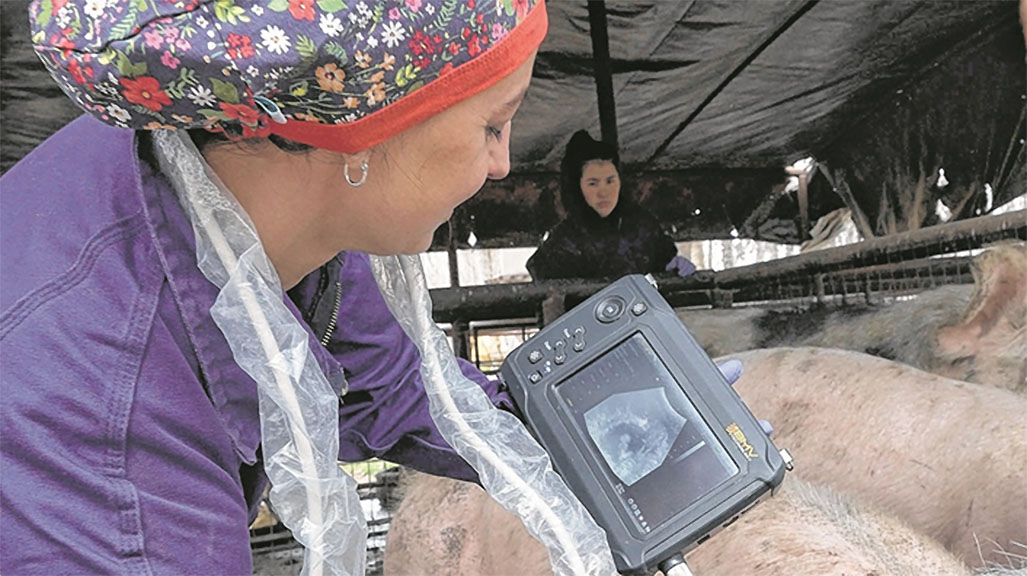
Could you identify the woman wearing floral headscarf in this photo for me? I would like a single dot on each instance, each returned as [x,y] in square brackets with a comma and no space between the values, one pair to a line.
[131,437]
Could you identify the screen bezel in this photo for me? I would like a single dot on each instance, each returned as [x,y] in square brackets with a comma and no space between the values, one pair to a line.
[597,464]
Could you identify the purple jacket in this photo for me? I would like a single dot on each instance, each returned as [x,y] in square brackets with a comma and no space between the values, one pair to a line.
[130,438]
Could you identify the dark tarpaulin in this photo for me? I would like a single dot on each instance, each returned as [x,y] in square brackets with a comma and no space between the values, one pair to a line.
[975,134]
[818,77]
[768,82]
[839,60]
[32,107]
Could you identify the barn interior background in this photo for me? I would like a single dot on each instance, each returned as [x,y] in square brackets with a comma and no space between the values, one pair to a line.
[735,120]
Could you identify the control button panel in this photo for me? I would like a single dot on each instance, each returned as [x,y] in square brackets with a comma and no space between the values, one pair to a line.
[554,352]
[547,355]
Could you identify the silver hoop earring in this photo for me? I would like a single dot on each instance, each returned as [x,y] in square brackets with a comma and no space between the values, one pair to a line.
[363,175]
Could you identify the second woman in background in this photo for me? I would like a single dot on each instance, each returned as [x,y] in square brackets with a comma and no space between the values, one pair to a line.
[604,235]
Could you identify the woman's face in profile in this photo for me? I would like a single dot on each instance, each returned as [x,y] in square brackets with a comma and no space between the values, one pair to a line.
[600,185]
[420,176]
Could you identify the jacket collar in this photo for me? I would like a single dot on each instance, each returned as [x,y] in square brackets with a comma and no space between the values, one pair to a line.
[231,390]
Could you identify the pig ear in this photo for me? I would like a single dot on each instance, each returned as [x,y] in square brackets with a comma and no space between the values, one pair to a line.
[999,304]
[731,369]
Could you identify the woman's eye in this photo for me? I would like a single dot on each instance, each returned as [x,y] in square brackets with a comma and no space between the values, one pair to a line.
[495,132]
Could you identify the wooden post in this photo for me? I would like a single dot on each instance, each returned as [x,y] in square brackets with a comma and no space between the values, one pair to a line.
[554,306]
[461,346]
[818,286]
[722,298]
[803,207]
[454,265]
[803,196]
[602,71]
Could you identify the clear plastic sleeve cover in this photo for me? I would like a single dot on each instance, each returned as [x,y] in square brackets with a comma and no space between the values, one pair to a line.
[299,415]
[511,465]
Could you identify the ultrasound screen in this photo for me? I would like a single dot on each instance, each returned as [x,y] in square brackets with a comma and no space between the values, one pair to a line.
[659,453]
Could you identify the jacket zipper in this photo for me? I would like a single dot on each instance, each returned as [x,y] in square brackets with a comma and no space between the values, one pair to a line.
[335,315]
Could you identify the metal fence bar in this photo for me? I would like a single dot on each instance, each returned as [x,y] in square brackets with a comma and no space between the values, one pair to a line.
[500,301]
[935,240]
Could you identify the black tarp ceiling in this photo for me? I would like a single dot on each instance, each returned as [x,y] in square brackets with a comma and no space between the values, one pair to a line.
[833,64]
[714,97]
[709,93]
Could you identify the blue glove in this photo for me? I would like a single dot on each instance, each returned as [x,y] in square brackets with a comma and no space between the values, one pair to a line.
[732,371]
[681,265]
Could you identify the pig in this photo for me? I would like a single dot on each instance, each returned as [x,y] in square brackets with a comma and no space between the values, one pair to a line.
[810,529]
[945,459]
[973,333]
[446,526]
[449,527]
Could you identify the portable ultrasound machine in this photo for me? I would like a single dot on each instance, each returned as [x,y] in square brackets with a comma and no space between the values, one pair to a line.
[642,425]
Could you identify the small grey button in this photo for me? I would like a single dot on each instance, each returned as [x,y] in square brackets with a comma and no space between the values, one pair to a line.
[535,378]
[639,308]
[534,356]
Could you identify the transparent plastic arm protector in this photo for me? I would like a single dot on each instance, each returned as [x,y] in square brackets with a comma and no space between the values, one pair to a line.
[299,412]
[512,467]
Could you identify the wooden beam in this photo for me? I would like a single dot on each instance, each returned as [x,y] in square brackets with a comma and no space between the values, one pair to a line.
[930,241]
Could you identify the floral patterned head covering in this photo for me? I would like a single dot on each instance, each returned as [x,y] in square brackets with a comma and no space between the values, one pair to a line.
[342,75]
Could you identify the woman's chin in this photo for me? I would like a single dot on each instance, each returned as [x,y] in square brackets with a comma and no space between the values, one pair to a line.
[420,247]
[403,245]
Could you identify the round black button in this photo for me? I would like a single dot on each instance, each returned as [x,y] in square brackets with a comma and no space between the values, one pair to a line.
[610,309]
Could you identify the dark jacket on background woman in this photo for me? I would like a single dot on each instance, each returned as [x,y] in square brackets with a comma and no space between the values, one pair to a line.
[628,241]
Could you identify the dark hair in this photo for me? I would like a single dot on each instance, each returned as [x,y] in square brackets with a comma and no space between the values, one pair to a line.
[582,149]
[204,138]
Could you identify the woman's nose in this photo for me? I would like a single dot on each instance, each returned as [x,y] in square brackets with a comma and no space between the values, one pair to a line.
[499,166]
[499,155]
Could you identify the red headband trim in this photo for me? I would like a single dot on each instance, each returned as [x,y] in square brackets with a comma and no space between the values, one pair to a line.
[462,83]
